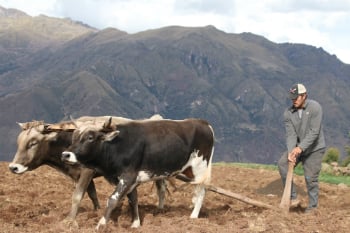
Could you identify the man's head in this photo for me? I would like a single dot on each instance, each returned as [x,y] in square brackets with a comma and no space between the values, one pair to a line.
[298,94]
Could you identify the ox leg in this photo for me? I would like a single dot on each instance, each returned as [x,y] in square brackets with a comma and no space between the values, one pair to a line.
[133,202]
[197,200]
[161,189]
[84,180]
[91,190]
[122,189]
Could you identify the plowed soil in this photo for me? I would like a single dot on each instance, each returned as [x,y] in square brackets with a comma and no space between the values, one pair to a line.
[39,201]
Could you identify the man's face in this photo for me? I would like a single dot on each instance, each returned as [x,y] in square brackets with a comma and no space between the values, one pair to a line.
[299,101]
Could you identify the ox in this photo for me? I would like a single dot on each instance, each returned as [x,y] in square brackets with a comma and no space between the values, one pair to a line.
[136,152]
[40,144]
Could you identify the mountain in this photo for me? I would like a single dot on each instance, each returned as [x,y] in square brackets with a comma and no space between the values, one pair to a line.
[238,82]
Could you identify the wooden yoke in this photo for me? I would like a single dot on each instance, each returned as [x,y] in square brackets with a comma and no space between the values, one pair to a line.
[63,126]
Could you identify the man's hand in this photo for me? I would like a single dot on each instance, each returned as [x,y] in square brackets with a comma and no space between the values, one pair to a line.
[294,154]
[291,157]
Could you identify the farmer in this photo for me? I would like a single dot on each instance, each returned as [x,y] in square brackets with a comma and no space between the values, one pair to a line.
[305,143]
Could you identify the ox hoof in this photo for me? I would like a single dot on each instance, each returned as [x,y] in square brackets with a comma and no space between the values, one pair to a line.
[70,223]
[101,224]
[136,224]
[160,211]
[100,227]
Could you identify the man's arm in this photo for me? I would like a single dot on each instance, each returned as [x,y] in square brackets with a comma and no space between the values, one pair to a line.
[314,128]
[291,135]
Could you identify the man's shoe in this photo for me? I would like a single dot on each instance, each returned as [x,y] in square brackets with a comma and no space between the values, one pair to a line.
[294,203]
[310,210]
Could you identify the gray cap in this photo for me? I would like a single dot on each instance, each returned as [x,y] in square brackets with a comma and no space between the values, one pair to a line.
[296,90]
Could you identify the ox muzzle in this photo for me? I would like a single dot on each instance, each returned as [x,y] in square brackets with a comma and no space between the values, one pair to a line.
[69,157]
[17,168]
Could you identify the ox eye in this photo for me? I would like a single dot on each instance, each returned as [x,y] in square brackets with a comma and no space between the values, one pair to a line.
[31,144]
[90,138]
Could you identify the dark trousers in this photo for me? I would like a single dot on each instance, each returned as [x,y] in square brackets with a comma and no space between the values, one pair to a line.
[312,164]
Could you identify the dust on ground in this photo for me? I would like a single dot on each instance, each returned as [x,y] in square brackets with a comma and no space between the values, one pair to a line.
[39,201]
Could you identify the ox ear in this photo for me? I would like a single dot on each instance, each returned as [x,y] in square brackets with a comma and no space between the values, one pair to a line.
[111,135]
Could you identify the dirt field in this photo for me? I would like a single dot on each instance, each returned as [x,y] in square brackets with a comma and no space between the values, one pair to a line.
[38,201]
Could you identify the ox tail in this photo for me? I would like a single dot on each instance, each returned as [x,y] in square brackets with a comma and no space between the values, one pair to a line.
[207,176]
[202,169]
[199,192]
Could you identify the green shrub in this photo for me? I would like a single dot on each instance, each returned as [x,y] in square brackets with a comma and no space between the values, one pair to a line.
[346,161]
[332,155]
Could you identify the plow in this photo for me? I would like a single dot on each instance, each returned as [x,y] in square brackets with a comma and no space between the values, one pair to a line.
[238,197]
[226,193]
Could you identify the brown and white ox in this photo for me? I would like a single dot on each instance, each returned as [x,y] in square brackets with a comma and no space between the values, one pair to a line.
[140,151]
[41,143]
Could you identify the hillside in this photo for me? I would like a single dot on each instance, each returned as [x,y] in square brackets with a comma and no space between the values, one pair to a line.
[47,199]
[22,35]
[238,82]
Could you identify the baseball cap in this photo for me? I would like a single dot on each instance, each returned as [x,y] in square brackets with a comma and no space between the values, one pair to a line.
[296,90]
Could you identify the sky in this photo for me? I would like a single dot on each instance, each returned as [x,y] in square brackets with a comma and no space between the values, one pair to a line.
[320,23]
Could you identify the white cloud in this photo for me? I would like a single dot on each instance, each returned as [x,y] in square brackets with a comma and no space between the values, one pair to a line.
[321,23]
[220,7]
[32,7]
[288,22]
[310,5]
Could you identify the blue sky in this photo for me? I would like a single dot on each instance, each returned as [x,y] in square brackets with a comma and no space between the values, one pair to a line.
[321,23]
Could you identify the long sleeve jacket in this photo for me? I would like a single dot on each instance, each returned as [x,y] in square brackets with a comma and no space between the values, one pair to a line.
[305,131]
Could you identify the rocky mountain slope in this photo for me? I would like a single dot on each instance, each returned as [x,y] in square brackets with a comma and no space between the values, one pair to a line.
[238,82]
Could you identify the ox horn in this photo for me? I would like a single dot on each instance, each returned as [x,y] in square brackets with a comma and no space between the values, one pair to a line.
[71,118]
[23,126]
[107,126]
[73,121]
